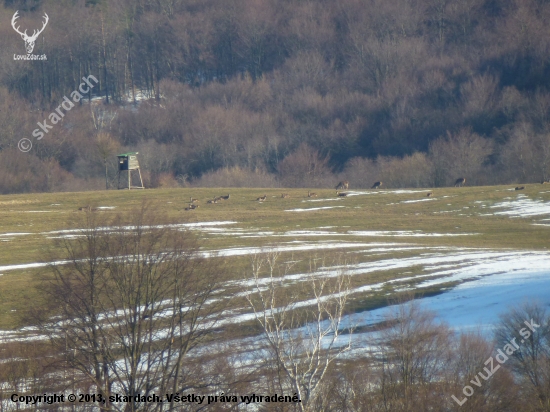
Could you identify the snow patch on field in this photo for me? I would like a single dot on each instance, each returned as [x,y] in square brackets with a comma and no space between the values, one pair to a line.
[284,248]
[323,200]
[312,209]
[488,289]
[405,233]
[523,207]
[310,233]
[196,225]
[14,234]
[419,200]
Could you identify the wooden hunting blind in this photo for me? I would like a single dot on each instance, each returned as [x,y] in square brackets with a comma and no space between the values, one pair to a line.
[129,162]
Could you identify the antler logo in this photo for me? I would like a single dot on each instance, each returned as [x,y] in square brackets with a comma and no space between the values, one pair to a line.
[29,40]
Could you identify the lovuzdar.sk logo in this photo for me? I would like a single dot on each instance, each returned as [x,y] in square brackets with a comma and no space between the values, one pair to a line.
[29,40]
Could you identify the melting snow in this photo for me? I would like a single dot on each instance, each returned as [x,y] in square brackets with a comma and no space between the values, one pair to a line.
[312,209]
[498,283]
[115,228]
[419,200]
[523,207]
[14,234]
[281,248]
[323,200]
[405,233]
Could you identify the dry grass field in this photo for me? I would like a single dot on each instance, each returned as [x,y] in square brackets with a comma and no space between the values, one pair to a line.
[394,239]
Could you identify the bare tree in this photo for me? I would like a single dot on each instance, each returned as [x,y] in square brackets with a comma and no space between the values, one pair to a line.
[460,154]
[130,300]
[529,328]
[301,325]
[493,392]
[106,147]
[415,351]
[305,167]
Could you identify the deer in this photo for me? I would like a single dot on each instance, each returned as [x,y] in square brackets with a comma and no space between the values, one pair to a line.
[211,201]
[285,195]
[460,182]
[429,194]
[262,198]
[191,207]
[376,185]
[309,194]
[29,40]
[344,184]
[193,200]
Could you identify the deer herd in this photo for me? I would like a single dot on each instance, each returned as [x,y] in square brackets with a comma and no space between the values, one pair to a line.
[343,185]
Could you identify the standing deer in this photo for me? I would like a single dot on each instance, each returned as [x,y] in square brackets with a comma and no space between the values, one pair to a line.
[376,185]
[460,182]
[343,185]
[29,40]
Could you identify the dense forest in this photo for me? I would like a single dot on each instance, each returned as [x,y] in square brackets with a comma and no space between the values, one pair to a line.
[278,92]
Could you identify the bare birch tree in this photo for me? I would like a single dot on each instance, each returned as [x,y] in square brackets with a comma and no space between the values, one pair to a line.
[301,323]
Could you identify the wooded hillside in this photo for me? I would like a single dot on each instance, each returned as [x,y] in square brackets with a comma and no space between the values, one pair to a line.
[279,92]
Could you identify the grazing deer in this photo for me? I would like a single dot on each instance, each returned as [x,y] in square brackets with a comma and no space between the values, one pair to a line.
[460,182]
[262,198]
[344,184]
[225,197]
[285,195]
[430,194]
[376,185]
[309,194]
[520,187]
[29,40]
[341,194]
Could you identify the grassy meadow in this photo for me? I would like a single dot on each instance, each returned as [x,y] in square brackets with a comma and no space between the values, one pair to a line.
[462,217]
